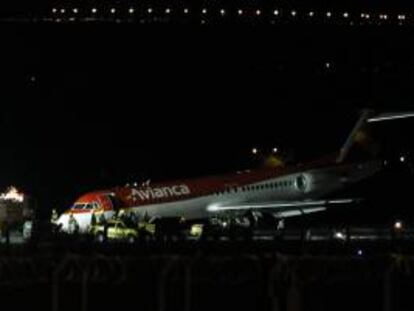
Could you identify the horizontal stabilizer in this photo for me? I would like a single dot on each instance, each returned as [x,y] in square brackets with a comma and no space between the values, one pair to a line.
[391,116]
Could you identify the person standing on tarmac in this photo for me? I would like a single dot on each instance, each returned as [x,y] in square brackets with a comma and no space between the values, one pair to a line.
[54,218]
[134,218]
[102,219]
[73,224]
[6,232]
[93,219]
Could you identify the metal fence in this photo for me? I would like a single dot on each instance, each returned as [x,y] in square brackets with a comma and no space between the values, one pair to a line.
[207,281]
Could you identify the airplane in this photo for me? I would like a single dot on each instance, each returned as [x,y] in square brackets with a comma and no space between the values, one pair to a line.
[281,192]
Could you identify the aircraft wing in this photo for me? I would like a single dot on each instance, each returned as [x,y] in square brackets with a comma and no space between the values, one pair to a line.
[283,209]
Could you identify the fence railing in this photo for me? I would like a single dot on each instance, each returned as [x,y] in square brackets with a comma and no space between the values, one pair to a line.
[205,281]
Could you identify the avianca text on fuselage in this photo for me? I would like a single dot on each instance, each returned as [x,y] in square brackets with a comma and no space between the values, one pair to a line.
[152,193]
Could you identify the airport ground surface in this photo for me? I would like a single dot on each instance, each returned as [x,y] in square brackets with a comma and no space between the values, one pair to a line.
[313,269]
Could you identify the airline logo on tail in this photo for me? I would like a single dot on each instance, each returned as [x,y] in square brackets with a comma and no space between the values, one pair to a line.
[159,193]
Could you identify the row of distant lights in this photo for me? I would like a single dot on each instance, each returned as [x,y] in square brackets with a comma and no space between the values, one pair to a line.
[113,10]
[130,11]
[239,12]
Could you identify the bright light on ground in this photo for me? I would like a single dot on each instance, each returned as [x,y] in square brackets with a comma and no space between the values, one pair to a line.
[398,225]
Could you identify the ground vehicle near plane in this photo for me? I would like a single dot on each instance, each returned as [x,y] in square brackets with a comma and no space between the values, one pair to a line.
[280,192]
[114,230]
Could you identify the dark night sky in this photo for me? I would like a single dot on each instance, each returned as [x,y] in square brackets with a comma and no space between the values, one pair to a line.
[92,106]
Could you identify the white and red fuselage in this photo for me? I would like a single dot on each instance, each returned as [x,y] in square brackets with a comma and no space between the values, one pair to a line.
[205,197]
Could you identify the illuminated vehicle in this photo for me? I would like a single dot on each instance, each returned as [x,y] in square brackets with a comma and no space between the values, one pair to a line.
[146,228]
[196,230]
[115,230]
[281,192]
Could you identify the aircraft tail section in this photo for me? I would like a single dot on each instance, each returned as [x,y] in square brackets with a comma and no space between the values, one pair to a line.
[361,134]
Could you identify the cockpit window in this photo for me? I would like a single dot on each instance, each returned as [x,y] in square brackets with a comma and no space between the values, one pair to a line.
[90,206]
[78,206]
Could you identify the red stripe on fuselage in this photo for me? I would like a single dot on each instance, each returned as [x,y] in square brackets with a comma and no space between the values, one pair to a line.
[209,185]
